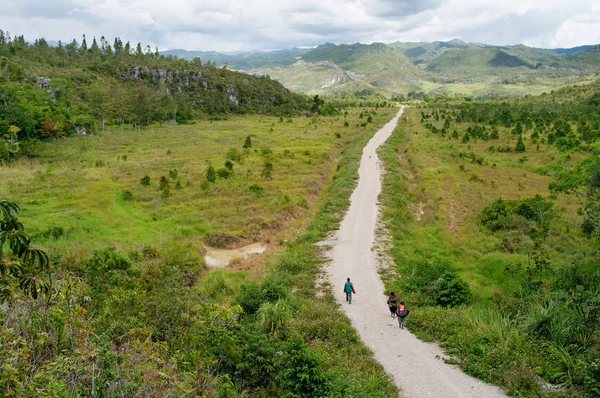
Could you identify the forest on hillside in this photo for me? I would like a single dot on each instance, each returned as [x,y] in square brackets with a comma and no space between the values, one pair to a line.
[51,91]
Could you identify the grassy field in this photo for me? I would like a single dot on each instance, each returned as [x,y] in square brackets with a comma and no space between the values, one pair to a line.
[85,192]
[154,323]
[434,193]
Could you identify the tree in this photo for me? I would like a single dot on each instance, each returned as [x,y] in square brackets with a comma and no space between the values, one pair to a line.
[583,182]
[21,264]
[248,142]
[520,145]
[211,173]
[83,47]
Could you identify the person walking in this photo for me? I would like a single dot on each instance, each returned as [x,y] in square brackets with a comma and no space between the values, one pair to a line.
[348,289]
[402,312]
[392,303]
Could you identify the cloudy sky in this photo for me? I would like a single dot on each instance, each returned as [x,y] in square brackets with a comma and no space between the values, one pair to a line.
[233,25]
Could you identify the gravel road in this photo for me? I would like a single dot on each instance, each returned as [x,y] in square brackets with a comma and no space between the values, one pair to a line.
[417,367]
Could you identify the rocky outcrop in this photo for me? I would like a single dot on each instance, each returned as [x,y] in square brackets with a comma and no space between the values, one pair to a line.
[163,75]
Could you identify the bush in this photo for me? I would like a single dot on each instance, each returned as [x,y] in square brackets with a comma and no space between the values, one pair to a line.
[449,290]
[145,181]
[126,195]
[107,269]
[211,174]
[224,173]
[303,371]
[234,154]
[256,189]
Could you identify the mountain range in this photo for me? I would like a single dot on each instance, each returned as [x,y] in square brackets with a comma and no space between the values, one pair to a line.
[400,68]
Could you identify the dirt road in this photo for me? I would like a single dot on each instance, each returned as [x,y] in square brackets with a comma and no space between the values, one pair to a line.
[417,367]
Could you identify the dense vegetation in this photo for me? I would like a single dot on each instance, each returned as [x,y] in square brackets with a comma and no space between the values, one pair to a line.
[494,210]
[53,91]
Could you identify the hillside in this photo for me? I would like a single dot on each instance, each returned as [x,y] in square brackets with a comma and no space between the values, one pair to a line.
[243,61]
[474,61]
[452,67]
[52,91]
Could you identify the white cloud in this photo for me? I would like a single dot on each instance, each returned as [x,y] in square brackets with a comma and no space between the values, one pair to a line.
[271,24]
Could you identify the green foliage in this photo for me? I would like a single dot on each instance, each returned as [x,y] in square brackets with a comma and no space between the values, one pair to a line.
[224,173]
[23,266]
[247,142]
[303,370]
[267,171]
[449,290]
[145,180]
[229,164]
[514,214]
[520,145]
[234,154]
[108,269]
[211,173]
[163,183]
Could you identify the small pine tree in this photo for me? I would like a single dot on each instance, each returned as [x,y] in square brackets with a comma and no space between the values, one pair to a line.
[164,183]
[178,185]
[166,193]
[520,145]
[211,173]
[145,181]
[173,173]
[229,164]
[267,171]
[248,142]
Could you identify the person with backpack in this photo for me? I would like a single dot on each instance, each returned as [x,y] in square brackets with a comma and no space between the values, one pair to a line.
[348,289]
[402,313]
[392,303]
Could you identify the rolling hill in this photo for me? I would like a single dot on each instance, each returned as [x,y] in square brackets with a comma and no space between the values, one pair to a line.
[449,67]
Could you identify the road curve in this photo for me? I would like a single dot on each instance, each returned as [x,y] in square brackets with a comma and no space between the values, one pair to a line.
[416,366]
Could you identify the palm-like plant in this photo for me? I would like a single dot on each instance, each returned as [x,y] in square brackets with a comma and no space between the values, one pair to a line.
[18,260]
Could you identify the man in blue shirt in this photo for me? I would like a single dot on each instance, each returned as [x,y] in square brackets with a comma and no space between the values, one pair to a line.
[348,289]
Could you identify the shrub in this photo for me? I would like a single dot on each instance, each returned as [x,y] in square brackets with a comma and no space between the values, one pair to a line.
[211,174]
[520,145]
[204,185]
[303,371]
[449,290]
[248,142]
[126,195]
[107,269]
[145,181]
[234,154]
[273,316]
[256,189]
[164,183]
[224,173]
[173,173]
[228,164]
[267,171]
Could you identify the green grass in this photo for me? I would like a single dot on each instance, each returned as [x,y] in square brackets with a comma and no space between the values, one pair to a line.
[78,183]
[164,314]
[432,209]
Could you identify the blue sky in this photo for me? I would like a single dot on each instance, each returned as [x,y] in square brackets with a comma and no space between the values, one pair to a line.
[235,25]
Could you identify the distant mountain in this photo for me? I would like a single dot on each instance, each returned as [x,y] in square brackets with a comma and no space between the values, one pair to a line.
[571,50]
[245,60]
[375,59]
[439,67]
[474,60]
